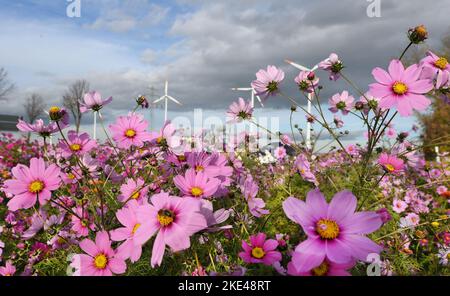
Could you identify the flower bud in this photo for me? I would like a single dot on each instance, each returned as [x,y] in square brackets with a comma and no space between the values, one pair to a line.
[418,34]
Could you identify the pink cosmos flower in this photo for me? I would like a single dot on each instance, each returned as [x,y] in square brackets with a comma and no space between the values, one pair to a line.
[76,144]
[399,206]
[175,219]
[268,81]
[93,101]
[81,226]
[38,127]
[133,190]
[130,131]
[434,66]
[101,260]
[196,184]
[307,81]
[352,150]
[239,111]
[8,270]
[335,231]
[391,163]
[280,152]
[326,268]
[260,250]
[167,139]
[401,88]
[304,168]
[338,121]
[342,102]
[249,189]
[32,183]
[333,65]
[127,217]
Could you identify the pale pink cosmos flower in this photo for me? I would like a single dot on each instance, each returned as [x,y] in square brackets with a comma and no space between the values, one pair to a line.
[335,231]
[391,164]
[342,102]
[401,88]
[249,189]
[333,65]
[338,121]
[38,127]
[32,183]
[239,111]
[175,219]
[268,81]
[133,190]
[130,131]
[326,268]
[196,184]
[76,144]
[167,139]
[260,250]
[433,67]
[399,206]
[128,218]
[307,81]
[8,270]
[93,101]
[100,259]
[280,153]
[304,168]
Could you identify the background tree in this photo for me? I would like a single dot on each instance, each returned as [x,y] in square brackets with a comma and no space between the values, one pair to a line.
[5,85]
[34,107]
[72,98]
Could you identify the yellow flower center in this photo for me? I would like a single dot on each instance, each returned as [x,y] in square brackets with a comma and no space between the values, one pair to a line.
[400,88]
[100,261]
[389,167]
[136,195]
[130,133]
[196,191]
[159,140]
[54,109]
[36,186]
[448,256]
[441,63]
[321,270]
[165,217]
[327,229]
[258,253]
[199,168]
[136,227]
[181,157]
[75,147]
[71,176]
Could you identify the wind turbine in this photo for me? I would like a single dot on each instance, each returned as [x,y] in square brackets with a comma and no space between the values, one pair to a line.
[166,98]
[253,95]
[310,98]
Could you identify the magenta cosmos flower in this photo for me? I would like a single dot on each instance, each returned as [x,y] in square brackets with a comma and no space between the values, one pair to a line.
[196,184]
[401,88]
[335,232]
[268,81]
[326,268]
[342,102]
[239,111]
[130,131]
[175,219]
[101,260]
[93,101]
[32,183]
[127,217]
[391,163]
[260,250]
[76,144]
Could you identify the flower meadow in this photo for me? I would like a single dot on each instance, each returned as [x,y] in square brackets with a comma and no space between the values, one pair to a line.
[147,202]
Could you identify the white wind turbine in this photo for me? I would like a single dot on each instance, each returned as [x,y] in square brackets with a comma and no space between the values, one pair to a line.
[166,98]
[310,98]
[253,95]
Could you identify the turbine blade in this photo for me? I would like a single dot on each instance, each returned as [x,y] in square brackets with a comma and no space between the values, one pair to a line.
[300,67]
[260,101]
[166,87]
[176,101]
[242,88]
[159,100]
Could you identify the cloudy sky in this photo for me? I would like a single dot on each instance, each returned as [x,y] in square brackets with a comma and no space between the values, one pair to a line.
[203,47]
